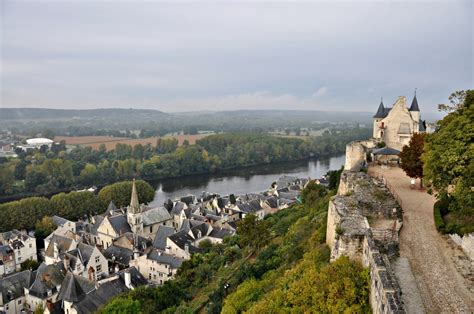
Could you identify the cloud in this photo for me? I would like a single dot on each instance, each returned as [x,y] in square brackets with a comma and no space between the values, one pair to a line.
[232,55]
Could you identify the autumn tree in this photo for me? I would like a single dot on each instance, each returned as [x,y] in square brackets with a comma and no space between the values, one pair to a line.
[410,157]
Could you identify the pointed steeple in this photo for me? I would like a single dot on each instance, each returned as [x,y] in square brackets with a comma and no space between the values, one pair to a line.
[414,104]
[380,111]
[134,204]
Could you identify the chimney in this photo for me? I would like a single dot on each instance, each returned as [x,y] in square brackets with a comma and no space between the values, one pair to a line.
[186,248]
[66,262]
[55,250]
[128,279]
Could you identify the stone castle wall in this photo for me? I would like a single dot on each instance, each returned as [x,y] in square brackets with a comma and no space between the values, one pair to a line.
[356,153]
[349,233]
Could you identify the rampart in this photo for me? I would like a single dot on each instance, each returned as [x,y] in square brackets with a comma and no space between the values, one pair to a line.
[363,223]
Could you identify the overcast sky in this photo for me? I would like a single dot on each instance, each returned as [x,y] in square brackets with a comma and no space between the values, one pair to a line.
[224,56]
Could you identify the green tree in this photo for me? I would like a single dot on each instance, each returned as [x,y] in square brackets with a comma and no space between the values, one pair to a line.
[254,233]
[122,306]
[448,160]
[44,227]
[410,157]
[120,193]
[29,264]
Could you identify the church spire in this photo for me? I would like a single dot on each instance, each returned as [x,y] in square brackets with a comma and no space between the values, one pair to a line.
[134,204]
[414,104]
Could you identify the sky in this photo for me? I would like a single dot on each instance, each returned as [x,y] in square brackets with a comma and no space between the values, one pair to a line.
[189,56]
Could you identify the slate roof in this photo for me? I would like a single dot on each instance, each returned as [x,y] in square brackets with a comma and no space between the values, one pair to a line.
[414,105]
[134,240]
[136,277]
[182,238]
[5,250]
[286,180]
[161,235]
[190,223]
[189,199]
[120,224]
[48,277]
[98,297]
[155,215]
[386,151]
[200,231]
[272,201]
[83,252]
[12,286]
[163,258]
[119,255]
[422,125]
[111,207]
[59,221]
[63,243]
[74,288]
[221,233]
[177,208]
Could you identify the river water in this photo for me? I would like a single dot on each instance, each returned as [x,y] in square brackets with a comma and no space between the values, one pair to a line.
[243,180]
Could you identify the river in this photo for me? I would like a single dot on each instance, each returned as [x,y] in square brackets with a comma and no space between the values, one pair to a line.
[243,180]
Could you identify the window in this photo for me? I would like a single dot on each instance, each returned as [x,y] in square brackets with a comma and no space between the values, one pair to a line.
[97,259]
[154,276]
[99,268]
[6,307]
[19,301]
[31,245]
[19,258]
[149,276]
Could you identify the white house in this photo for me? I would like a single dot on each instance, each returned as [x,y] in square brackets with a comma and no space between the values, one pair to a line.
[157,266]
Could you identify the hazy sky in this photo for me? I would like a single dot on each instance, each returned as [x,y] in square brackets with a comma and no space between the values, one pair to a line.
[234,55]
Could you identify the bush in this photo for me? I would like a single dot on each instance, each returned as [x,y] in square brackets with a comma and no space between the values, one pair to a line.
[439,222]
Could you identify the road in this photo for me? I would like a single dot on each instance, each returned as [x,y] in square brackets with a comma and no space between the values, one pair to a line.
[442,288]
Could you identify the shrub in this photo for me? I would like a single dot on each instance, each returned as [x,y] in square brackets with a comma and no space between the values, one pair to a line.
[439,222]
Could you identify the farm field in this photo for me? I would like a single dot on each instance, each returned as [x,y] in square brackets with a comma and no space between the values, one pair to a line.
[110,141]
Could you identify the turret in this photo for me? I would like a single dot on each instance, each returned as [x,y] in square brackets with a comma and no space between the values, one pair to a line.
[415,110]
[379,115]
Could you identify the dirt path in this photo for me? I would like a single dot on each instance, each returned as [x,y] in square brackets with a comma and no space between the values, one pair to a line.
[442,288]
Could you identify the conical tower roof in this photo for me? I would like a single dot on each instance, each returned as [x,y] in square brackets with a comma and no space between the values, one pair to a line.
[111,207]
[414,104]
[380,111]
[134,204]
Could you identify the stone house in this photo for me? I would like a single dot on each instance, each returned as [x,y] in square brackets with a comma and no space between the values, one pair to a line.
[7,260]
[12,292]
[157,267]
[44,289]
[86,261]
[55,246]
[22,244]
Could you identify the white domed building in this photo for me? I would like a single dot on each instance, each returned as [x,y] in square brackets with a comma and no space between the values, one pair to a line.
[36,143]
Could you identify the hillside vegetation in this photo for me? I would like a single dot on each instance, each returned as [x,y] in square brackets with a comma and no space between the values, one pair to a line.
[449,165]
[286,268]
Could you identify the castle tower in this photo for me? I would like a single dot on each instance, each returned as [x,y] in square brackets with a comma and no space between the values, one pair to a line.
[134,212]
[415,111]
[379,115]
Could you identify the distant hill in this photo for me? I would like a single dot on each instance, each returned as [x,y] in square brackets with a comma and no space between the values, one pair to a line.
[51,114]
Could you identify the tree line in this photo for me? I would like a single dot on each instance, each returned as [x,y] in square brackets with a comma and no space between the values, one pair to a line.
[24,214]
[44,171]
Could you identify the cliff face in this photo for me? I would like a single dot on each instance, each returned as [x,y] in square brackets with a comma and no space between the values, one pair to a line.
[363,223]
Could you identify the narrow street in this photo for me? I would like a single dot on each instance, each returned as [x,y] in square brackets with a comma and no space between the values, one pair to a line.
[442,288]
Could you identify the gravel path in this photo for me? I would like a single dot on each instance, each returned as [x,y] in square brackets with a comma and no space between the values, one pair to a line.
[442,288]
